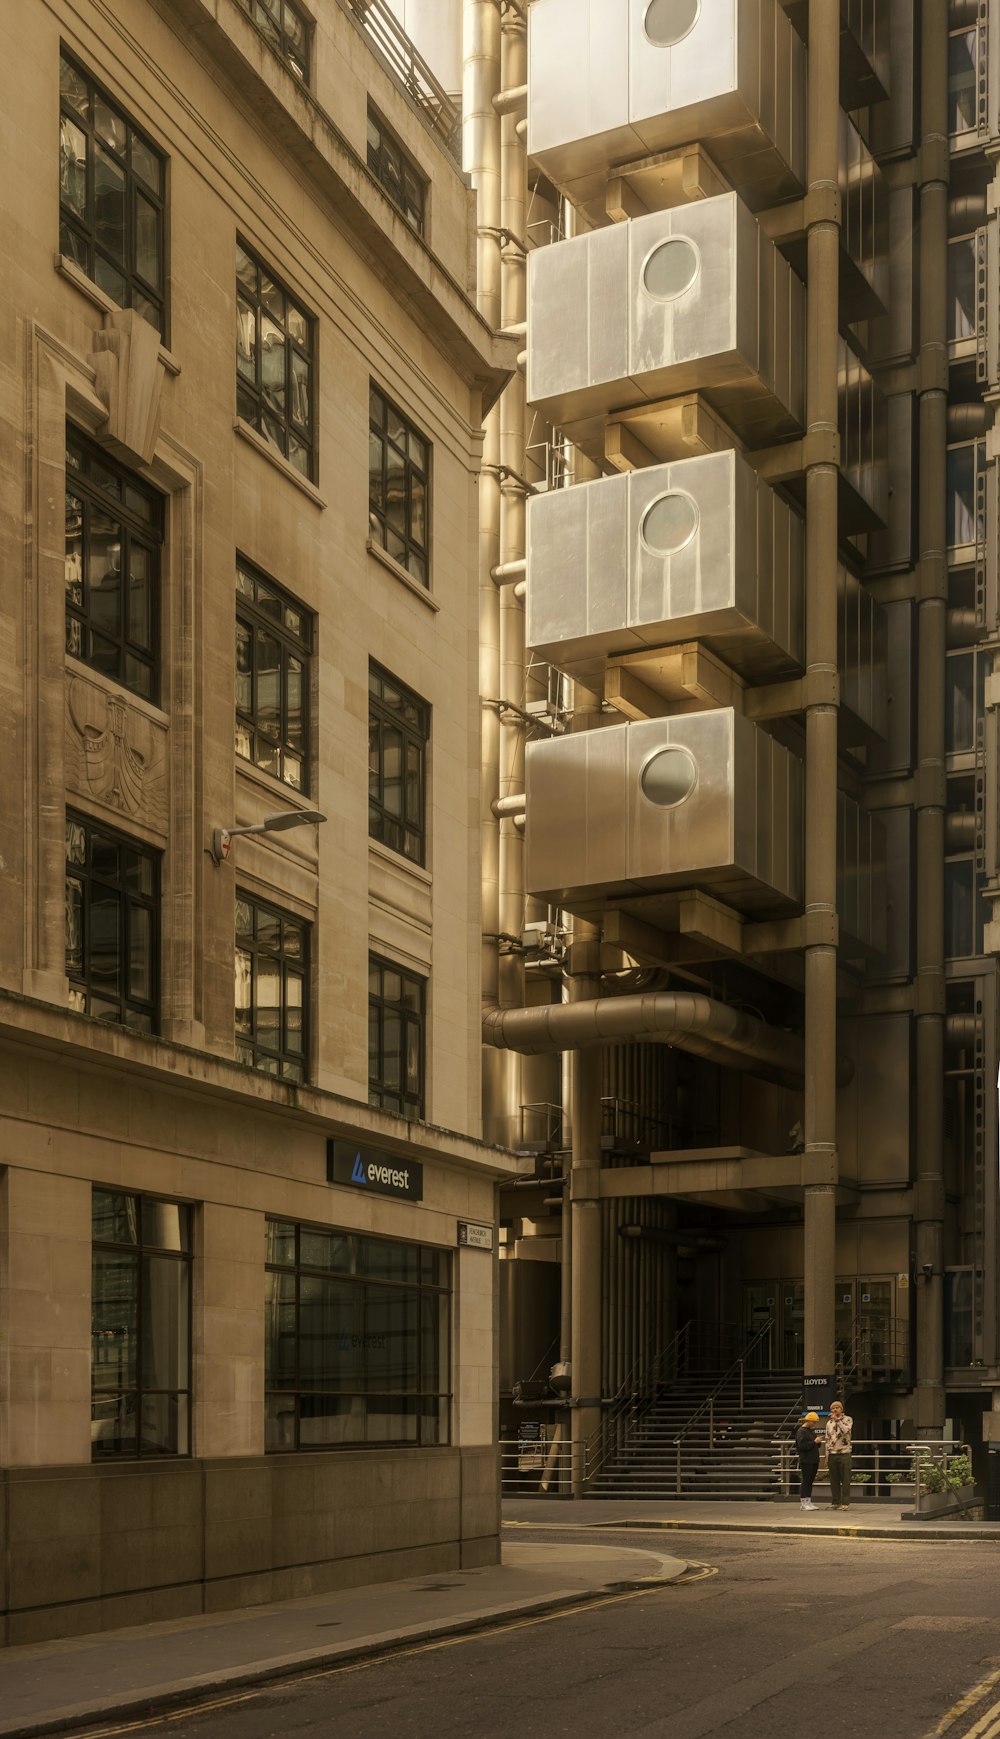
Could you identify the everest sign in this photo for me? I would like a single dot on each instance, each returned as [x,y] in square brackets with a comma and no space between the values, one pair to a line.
[368,1168]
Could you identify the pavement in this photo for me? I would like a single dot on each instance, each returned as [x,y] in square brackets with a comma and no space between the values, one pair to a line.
[143,1670]
[865,1518]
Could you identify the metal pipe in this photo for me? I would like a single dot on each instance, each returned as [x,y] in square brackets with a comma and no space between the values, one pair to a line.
[687,1019]
[932,641]
[508,806]
[511,102]
[823,327]
[504,572]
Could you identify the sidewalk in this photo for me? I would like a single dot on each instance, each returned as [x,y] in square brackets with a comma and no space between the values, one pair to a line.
[139,1671]
[864,1519]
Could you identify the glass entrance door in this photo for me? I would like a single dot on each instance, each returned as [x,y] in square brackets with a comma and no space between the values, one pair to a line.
[793,1313]
[759,1307]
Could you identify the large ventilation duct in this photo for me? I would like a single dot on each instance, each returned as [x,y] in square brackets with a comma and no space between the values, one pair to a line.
[692,1022]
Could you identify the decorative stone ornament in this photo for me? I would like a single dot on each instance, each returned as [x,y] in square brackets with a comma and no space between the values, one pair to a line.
[126,362]
[119,755]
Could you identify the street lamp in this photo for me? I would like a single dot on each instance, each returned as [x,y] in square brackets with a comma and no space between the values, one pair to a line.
[222,837]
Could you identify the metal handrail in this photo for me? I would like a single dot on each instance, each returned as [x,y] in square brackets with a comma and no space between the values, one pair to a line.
[640,1385]
[708,1405]
[408,66]
[875,1459]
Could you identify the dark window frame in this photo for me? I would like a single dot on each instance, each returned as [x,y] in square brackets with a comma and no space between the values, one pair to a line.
[400,178]
[261,294]
[403,1100]
[271,23]
[143,1251]
[406,832]
[355,1272]
[83,989]
[79,238]
[291,1065]
[84,461]
[255,618]
[395,443]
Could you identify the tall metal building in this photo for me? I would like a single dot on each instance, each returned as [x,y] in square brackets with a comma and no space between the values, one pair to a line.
[739,580]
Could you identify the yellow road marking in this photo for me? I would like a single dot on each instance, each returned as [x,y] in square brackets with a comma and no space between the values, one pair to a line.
[196,1708]
[964,1704]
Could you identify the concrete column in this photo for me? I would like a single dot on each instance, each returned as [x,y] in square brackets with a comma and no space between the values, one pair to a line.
[932,592]
[820,1116]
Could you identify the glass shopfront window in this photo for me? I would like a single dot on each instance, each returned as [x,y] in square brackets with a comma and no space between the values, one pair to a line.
[141,1326]
[357,1340]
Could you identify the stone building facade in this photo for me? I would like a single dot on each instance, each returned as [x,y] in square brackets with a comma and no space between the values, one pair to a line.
[242,381]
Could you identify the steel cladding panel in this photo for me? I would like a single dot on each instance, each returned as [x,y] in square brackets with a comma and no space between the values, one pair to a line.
[579,74]
[697,833]
[702,320]
[577,810]
[701,66]
[602,92]
[601,336]
[592,829]
[596,586]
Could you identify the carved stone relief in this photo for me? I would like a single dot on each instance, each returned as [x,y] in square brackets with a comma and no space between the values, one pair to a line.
[115,753]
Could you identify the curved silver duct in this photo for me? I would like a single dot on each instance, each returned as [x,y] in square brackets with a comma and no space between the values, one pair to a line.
[684,1018]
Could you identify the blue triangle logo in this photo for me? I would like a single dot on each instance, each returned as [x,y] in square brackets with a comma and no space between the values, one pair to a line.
[359,1175]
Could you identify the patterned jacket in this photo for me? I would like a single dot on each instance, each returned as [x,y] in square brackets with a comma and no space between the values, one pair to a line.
[838,1435]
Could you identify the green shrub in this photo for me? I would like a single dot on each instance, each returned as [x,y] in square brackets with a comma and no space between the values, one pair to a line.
[959,1472]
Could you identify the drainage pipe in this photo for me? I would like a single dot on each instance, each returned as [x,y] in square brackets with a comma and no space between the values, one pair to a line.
[822,334]
[687,1019]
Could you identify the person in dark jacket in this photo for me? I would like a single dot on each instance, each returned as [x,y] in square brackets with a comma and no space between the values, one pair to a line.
[807,1446]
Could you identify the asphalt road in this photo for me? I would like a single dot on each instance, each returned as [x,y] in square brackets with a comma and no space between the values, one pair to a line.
[876,1637]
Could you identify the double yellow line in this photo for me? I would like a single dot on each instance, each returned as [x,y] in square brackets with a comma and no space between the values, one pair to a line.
[988,1725]
[196,1707]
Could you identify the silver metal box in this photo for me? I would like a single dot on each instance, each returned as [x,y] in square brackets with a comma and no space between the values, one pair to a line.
[611,81]
[697,549]
[702,800]
[696,299]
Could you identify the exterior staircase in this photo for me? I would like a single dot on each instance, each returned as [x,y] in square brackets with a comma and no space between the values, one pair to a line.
[703,1439]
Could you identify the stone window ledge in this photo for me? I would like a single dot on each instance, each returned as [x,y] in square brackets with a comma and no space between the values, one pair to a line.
[398,862]
[397,568]
[249,434]
[69,270]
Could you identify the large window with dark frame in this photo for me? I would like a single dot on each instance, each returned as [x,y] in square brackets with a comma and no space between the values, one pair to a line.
[273,647]
[111,196]
[272,971]
[357,1346]
[285,29]
[114,535]
[396,1038]
[141,1326]
[275,345]
[398,731]
[112,925]
[399,461]
[396,172]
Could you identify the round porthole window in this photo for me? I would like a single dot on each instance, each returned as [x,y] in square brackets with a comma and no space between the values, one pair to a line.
[669,523]
[668,777]
[671,269]
[668,21]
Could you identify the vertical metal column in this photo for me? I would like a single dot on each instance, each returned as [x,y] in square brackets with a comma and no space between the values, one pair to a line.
[586,1283]
[932,576]
[481,160]
[823,245]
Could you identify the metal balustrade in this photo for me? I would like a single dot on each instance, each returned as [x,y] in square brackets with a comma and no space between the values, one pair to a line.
[409,68]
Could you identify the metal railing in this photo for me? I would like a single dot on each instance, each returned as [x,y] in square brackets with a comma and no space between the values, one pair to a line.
[536,1469]
[409,68]
[735,1374]
[881,1468]
[635,1397]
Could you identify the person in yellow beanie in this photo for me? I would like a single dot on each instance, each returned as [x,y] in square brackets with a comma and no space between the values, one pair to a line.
[807,1446]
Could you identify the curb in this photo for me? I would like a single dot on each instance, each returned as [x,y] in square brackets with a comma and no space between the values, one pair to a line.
[829,1530]
[196,1691]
